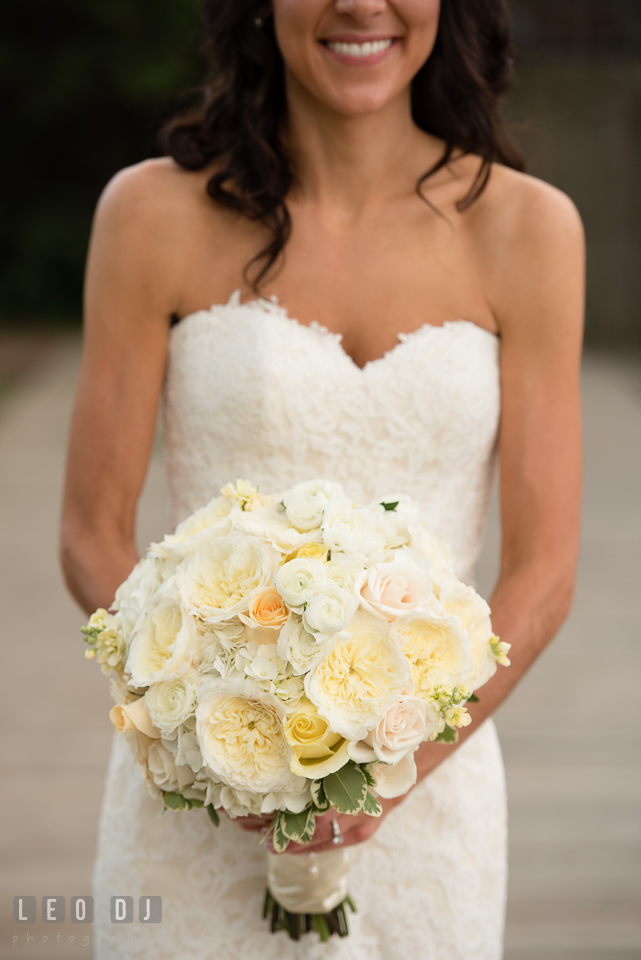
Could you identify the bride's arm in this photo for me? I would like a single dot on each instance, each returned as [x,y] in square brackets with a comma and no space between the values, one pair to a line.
[538,276]
[131,278]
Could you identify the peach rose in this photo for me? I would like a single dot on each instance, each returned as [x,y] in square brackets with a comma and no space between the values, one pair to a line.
[389,590]
[266,609]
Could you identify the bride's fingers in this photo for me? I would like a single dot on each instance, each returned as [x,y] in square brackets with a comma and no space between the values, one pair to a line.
[353,829]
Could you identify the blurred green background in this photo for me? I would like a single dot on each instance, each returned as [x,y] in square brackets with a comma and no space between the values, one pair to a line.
[84,85]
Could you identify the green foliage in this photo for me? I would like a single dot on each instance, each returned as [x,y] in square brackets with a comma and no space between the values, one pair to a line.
[449,735]
[346,789]
[83,85]
[390,506]
[213,815]
[319,797]
[372,806]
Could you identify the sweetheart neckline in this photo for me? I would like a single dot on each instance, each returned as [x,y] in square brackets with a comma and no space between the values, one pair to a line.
[271,308]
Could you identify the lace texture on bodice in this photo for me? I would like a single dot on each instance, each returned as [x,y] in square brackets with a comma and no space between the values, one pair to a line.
[252,394]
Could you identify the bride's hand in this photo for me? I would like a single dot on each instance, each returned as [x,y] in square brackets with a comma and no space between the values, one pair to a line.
[355,829]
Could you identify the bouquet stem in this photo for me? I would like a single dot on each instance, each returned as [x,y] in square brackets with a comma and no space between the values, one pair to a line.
[308,892]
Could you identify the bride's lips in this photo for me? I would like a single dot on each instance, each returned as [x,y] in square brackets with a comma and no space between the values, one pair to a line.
[358,50]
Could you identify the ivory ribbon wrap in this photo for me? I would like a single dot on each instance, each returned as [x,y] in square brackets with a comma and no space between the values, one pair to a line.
[308,882]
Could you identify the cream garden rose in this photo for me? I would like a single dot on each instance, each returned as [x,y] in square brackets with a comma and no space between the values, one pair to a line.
[316,750]
[217,581]
[358,678]
[241,735]
[163,642]
[464,603]
[438,649]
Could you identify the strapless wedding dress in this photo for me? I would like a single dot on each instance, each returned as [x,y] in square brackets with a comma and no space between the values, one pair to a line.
[251,393]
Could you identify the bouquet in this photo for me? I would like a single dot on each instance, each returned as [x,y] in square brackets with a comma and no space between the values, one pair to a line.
[286,655]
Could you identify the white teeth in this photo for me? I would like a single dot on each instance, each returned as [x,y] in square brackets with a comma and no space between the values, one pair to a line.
[360,49]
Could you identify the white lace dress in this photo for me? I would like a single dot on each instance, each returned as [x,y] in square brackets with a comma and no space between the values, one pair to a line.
[251,393]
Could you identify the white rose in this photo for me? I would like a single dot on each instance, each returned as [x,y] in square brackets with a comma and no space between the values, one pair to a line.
[408,722]
[351,532]
[297,581]
[358,678]
[473,612]
[162,643]
[241,736]
[438,649]
[329,610]
[390,590]
[301,648]
[217,580]
[171,702]
[305,503]
[395,780]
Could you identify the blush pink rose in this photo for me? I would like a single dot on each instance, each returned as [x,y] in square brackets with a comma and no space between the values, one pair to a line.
[390,590]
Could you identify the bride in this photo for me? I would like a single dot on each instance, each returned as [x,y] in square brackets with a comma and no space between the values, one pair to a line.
[346,168]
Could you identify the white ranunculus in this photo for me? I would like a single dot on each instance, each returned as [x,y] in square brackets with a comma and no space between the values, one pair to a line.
[217,581]
[407,723]
[359,676]
[345,575]
[162,644]
[306,502]
[241,736]
[169,703]
[351,532]
[395,780]
[134,594]
[390,590]
[329,610]
[473,612]
[298,580]
[300,647]
[438,649]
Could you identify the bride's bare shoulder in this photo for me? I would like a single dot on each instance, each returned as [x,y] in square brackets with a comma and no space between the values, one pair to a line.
[152,193]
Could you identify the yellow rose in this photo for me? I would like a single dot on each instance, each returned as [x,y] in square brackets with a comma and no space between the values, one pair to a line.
[316,751]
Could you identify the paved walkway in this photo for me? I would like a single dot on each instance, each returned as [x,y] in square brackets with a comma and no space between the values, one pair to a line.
[571,733]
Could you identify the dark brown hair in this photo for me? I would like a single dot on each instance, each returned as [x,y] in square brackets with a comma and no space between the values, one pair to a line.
[239,122]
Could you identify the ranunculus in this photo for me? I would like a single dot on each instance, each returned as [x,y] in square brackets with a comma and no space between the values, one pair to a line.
[438,649]
[300,647]
[408,722]
[390,590]
[316,751]
[473,612]
[395,780]
[162,643]
[355,682]
[297,581]
[345,575]
[329,610]
[171,702]
[217,581]
[266,609]
[351,532]
[306,502]
[241,736]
